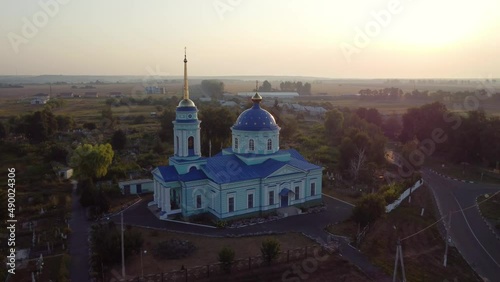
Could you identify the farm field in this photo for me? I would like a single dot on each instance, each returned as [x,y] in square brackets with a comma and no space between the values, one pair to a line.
[15,101]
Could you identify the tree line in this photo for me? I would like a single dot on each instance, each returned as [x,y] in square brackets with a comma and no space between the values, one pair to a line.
[471,137]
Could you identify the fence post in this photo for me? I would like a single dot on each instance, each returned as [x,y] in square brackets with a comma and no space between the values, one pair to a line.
[208,270]
[162,277]
[306,251]
[288,256]
[186,274]
[249,263]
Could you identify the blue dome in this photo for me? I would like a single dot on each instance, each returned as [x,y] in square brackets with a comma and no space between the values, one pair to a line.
[255,119]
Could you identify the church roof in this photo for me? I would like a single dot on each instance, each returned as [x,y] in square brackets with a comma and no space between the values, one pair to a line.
[255,118]
[223,169]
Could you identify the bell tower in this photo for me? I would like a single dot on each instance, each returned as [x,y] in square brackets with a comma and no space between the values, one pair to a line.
[187,145]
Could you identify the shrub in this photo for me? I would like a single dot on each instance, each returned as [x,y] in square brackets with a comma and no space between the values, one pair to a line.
[174,249]
[270,249]
[221,224]
[368,209]
[226,258]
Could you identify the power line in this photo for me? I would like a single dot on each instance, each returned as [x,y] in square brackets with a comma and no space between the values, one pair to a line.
[460,210]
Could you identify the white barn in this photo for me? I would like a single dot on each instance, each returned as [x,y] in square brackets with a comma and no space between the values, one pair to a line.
[136,186]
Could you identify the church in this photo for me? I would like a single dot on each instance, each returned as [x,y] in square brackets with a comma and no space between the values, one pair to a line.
[253,177]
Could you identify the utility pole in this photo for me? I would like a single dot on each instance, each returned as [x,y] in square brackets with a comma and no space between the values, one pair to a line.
[123,248]
[399,258]
[448,225]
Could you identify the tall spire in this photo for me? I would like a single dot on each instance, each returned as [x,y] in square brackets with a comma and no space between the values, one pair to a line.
[186,86]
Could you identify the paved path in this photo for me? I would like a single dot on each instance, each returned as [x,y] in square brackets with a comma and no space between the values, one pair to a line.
[470,234]
[78,241]
[310,224]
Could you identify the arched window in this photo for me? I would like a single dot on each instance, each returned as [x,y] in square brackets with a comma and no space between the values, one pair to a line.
[236,143]
[251,145]
[191,146]
[190,142]
[269,144]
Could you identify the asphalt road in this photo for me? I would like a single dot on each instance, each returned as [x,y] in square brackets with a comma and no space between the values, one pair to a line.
[78,241]
[469,233]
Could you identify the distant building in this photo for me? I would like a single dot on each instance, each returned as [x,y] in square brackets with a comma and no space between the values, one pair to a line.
[91,95]
[65,172]
[40,98]
[137,186]
[228,103]
[115,94]
[205,99]
[274,95]
[66,95]
[154,90]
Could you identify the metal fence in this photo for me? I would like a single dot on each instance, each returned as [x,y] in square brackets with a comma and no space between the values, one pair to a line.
[215,269]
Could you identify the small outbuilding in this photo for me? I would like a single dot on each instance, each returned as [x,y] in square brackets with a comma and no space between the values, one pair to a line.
[136,186]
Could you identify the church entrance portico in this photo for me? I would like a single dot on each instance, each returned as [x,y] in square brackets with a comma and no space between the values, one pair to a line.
[284,197]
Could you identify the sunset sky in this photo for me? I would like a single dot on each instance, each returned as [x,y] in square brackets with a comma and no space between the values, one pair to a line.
[337,39]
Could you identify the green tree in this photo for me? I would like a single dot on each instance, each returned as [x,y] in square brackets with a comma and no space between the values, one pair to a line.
[106,244]
[270,250]
[91,161]
[288,129]
[166,132]
[57,153]
[89,125]
[65,123]
[226,258]
[39,126]
[368,209]
[265,87]
[306,90]
[392,127]
[119,140]
[216,127]
[334,123]
[213,87]
[4,131]
[371,115]
[108,121]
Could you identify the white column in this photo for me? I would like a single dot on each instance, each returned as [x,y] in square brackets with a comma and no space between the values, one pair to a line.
[155,196]
[160,200]
[167,200]
[198,143]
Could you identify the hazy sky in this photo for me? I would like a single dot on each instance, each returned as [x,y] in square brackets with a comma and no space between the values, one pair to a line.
[330,38]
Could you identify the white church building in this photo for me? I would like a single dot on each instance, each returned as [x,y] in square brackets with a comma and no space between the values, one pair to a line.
[250,178]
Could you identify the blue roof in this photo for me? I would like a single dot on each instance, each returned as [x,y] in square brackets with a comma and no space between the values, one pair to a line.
[229,168]
[255,119]
[195,174]
[168,173]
